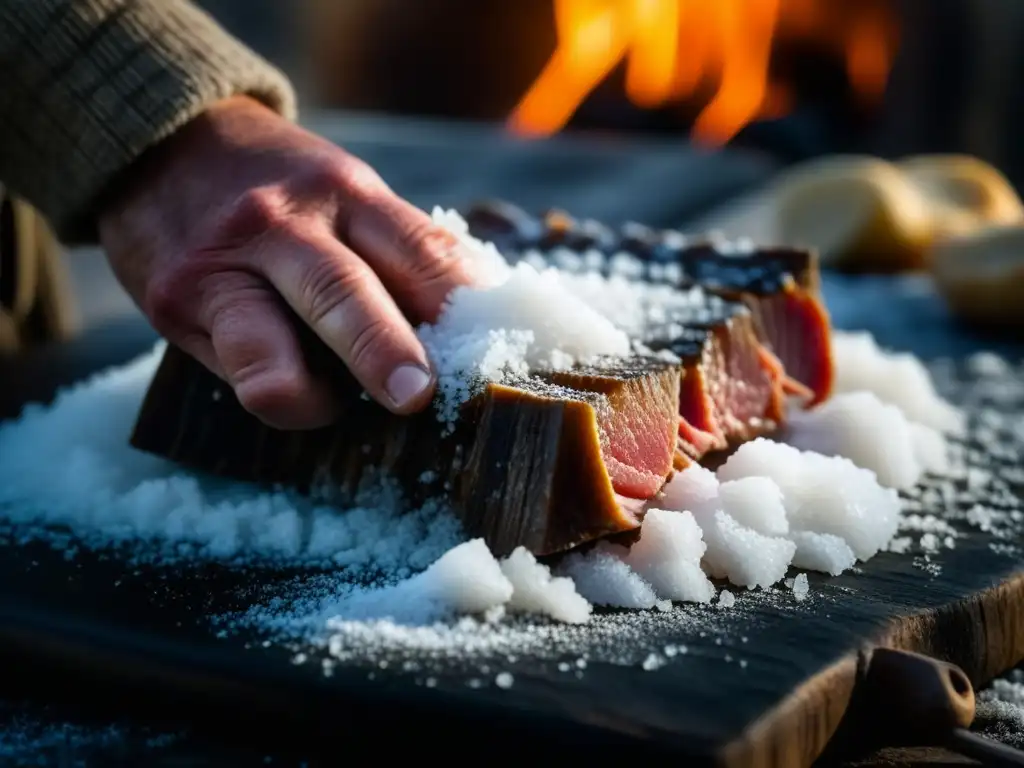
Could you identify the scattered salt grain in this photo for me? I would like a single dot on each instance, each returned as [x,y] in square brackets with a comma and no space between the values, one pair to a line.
[504,680]
[535,591]
[801,589]
[652,662]
[664,605]
[604,579]
[726,599]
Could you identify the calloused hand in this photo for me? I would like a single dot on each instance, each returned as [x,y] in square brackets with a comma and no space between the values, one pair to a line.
[241,221]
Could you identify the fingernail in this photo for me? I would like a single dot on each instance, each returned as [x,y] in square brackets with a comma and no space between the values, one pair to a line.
[406,383]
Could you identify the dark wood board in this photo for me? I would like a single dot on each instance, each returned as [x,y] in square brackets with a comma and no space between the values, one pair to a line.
[95,619]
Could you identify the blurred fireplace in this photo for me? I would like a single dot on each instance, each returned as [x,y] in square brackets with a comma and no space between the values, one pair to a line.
[950,86]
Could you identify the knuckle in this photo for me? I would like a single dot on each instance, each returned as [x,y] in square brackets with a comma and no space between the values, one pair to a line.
[358,179]
[256,210]
[433,248]
[230,301]
[165,298]
[328,287]
[368,344]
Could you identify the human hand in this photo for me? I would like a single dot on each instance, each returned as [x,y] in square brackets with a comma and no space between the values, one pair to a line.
[241,221]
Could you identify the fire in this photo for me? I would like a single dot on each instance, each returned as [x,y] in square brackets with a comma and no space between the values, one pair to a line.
[672,49]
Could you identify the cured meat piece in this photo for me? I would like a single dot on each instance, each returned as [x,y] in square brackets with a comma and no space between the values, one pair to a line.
[639,420]
[548,464]
[779,285]
[731,388]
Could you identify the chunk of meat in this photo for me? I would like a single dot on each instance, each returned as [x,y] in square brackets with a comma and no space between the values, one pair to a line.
[638,423]
[557,461]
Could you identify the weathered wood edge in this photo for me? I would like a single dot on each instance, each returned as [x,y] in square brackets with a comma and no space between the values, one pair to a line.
[982,634]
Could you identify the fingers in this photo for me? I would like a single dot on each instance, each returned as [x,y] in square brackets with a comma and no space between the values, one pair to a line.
[253,341]
[420,262]
[338,295]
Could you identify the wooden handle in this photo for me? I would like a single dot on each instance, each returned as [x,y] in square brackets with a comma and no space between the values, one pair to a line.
[917,695]
[901,699]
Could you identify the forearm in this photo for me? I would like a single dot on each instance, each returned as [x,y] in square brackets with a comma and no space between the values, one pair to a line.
[88,85]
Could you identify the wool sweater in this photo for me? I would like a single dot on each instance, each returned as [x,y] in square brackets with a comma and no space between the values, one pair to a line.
[86,86]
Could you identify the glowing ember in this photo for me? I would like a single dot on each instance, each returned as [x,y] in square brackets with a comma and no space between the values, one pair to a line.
[674,48]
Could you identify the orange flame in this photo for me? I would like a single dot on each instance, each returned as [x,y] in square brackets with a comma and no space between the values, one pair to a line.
[673,47]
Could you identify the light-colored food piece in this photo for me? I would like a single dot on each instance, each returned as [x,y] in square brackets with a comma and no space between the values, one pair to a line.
[602,578]
[981,274]
[898,378]
[859,213]
[870,433]
[965,193]
[668,556]
[534,590]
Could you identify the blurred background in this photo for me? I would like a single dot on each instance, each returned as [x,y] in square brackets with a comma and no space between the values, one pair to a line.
[690,114]
[794,78]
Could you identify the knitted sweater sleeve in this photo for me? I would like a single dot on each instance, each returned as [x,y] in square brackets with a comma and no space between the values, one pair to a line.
[86,86]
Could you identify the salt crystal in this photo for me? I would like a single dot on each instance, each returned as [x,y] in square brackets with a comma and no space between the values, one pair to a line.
[695,489]
[744,556]
[741,554]
[466,579]
[726,599]
[652,662]
[872,434]
[801,589]
[930,448]
[504,680]
[988,364]
[896,378]
[664,605]
[535,591]
[822,494]
[821,552]
[668,556]
[755,502]
[604,579]
[900,545]
[930,542]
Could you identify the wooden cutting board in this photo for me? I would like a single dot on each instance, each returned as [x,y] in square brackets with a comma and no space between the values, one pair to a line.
[766,683]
